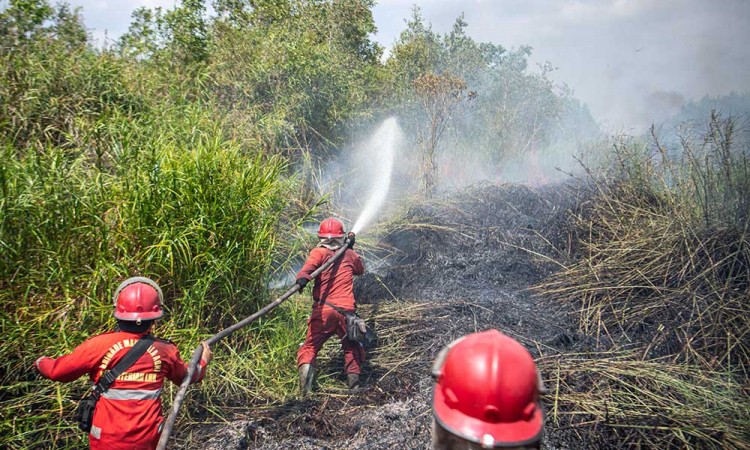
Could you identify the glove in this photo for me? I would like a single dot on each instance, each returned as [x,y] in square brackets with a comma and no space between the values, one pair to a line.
[207,355]
[36,363]
[351,240]
[301,282]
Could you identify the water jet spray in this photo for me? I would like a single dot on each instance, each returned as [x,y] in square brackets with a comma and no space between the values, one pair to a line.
[381,149]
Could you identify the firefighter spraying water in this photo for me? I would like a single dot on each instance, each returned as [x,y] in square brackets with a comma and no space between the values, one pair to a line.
[486,391]
[335,244]
[333,305]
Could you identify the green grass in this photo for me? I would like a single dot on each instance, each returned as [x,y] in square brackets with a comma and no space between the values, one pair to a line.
[171,199]
[112,167]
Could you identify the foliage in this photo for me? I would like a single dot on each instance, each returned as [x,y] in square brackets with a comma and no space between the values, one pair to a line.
[22,21]
[106,172]
[175,39]
[199,218]
[301,74]
[288,72]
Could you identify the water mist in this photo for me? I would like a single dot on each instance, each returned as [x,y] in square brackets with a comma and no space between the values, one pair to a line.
[378,155]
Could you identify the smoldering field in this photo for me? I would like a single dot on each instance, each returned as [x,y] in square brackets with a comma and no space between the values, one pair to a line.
[448,273]
[641,336]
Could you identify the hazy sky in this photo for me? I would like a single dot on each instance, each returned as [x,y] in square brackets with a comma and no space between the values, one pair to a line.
[630,61]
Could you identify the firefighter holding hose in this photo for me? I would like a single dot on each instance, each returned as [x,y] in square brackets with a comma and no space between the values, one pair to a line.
[333,298]
[127,414]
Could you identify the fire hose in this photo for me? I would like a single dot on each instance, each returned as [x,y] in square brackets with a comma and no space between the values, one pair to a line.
[193,364]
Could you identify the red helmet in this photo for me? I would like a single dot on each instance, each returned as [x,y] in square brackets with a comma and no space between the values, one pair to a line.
[331,228]
[487,391]
[137,299]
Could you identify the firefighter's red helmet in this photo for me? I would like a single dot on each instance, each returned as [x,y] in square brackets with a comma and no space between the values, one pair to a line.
[137,299]
[331,228]
[487,391]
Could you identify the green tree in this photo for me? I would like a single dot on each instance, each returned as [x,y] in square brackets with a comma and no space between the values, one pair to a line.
[143,38]
[516,110]
[298,69]
[187,30]
[67,26]
[175,39]
[23,20]
[415,53]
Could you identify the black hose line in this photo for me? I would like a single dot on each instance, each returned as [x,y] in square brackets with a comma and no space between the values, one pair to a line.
[197,353]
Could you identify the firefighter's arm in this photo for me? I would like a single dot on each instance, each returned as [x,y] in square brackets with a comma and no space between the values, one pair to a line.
[69,367]
[357,267]
[206,358]
[179,367]
[314,260]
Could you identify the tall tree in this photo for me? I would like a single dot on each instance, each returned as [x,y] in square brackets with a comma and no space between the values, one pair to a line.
[23,20]
[439,95]
[516,108]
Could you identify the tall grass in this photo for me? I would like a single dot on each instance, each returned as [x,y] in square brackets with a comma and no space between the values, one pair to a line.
[664,264]
[96,191]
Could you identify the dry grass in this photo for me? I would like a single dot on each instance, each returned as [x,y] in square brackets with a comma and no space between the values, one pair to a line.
[647,404]
[663,265]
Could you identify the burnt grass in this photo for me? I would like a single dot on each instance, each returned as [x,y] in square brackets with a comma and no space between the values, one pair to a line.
[466,262]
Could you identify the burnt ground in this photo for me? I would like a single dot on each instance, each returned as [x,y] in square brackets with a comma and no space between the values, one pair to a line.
[446,268]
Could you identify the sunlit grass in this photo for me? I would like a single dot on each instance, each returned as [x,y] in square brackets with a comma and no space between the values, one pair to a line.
[654,403]
[196,212]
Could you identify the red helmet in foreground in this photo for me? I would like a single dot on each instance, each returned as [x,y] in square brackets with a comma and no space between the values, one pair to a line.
[137,299]
[487,391]
[331,228]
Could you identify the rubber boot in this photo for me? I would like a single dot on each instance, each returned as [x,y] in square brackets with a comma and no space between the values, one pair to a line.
[306,374]
[352,380]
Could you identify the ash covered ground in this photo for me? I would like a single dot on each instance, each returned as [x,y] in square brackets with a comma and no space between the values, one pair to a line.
[451,266]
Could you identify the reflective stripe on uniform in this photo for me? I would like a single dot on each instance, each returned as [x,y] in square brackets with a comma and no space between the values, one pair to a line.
[131,394]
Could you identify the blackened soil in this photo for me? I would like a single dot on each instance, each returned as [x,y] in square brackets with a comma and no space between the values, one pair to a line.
[465,262]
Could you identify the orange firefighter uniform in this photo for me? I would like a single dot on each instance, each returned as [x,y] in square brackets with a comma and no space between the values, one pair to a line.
[334,285]
[128,415]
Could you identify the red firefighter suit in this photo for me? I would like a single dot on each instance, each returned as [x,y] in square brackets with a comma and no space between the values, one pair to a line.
[334,285]
[128,415]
